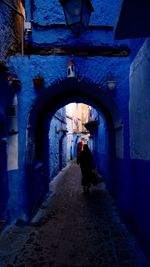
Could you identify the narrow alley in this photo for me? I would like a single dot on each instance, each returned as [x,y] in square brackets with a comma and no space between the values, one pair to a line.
[72,229]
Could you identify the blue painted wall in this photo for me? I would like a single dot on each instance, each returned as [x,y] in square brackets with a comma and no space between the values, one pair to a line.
[140,142]
[135,45]
[58,143]
[52,69]
[44,15]
[42,11]
[101,146]
[10,39]
[129,179]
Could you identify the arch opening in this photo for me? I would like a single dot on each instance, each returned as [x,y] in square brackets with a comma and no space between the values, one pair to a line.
[47,103]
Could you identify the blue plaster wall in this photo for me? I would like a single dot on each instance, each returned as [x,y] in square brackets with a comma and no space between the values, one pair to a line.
[49,13]
[43,14]
[105,154]
[72,140]
[9,41]
[100,143]
[70,143]
[101,147]
[69,147]
[131,178]
[53,68]
[54,150]
[135,45]
[58,123]
[140,143]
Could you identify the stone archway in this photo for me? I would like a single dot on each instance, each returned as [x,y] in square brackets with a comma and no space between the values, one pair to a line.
[46,104]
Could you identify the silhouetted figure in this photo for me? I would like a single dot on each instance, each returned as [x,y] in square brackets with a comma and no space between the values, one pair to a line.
[87,165]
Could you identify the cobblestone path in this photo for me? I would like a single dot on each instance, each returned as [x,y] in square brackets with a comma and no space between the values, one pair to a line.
[72,229]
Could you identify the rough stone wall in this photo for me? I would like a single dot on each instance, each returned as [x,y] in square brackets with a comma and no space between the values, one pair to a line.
[10,29]
[56,126]
[5,29]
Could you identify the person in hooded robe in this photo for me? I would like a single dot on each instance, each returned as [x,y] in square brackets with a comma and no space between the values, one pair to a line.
[87,165]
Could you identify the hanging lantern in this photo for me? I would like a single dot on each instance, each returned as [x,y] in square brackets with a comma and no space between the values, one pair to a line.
[71,69]
[77,14]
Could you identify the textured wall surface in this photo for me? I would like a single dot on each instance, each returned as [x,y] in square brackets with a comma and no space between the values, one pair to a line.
[127,179]
[52,12]
[140,104]
[47,13]
[101,147]
[10,28]
[57,144]
[54,69]
[140,142]
[6,29]
[10,39]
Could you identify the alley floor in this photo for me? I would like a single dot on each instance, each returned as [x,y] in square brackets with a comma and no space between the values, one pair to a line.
[72,229]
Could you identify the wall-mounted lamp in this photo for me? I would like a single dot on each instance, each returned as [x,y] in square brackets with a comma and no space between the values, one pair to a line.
[111,85]
[77,14]
[71,69]
[111,82]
